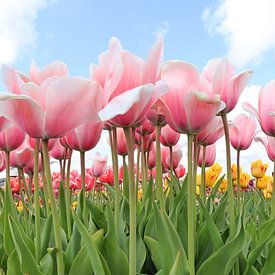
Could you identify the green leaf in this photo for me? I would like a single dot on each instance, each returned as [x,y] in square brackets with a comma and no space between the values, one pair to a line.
[216,263]
[154,249]
[97,216]
[81,263]
[213,231]
[176,268]
[62,207]
[46,235]
[26,259]
[169,242]
[90,245]
[13,265]
[47,265]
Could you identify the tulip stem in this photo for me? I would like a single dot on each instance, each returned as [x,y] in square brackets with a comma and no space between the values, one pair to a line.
[56,225]
[273,194]
[37,203]
[232,226]
[191,209]
[159,188]
[138,172]
[238,179]
[132,201]
[68,194]
[143,166]
[203,174]
[116,182]
[171,160]
[45,188]
[83,184]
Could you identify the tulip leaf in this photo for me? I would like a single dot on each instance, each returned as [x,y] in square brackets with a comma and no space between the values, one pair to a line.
[154,249]
[217,262]
[47,265]
[90,245]
[176,268]
[13,265]
[26,259]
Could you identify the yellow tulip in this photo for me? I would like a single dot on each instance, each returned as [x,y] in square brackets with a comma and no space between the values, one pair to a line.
[210,177]
[139,194]
[74,205]
[198,190]
[267,195]
[234,171]
[223,185]
[258,169]
[198,181]
[269,184]
[235,183]
[19,206]
[262,182]
[244,180]
[216,168]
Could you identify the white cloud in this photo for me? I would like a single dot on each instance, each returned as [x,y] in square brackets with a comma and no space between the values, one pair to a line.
[17,27]
[162,27]
[246,26]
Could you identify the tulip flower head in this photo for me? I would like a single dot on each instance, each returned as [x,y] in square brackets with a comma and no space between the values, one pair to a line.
[258,169]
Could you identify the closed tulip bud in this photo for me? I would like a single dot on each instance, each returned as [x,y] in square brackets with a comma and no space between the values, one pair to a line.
[168,136]
[258,169]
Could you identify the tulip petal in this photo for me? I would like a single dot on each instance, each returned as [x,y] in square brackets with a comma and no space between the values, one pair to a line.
[251,110]
[24,112]
[153,62]
[11,79]
[70,102]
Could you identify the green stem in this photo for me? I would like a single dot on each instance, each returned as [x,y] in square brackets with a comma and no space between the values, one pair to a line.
[68,194]
[56,225]
[116,180]
[138,172]
[203,191]
[83,184]
[159,188]
[125,182]
[37,203]
[45,188]
[191,211]
[232,226]
[143,165]
[132,201]
[171,159]
[273,195]
[20,170]
[238,179]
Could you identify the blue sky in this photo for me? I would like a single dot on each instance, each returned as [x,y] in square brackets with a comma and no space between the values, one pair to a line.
[77,31]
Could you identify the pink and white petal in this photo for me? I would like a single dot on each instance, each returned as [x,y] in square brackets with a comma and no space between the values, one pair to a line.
[153,62]
[70,102]
[24,112]
[263,140]
[56,68]
[110,68]
[11,79]
[128,104]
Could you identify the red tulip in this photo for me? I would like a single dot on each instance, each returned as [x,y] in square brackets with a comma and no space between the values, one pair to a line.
[180,171]
[243,132]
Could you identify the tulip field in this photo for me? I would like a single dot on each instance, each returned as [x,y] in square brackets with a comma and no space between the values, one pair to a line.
[138,210]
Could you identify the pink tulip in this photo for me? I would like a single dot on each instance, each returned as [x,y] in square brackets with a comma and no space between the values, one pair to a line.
[190,105]
[212,132]
[11,137]
[165,156]
[156,115]
[146,128]
[266,108]
[168,136]
[210,155]
[121,142]
[85,137]
[128,83]
[2,161]
[221,75]
[21,157]
[54,107]
[152,156]
[14,80]
[51,143]
[99,165]
[58,151]
[29,168]
[243,132]
[269,144]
